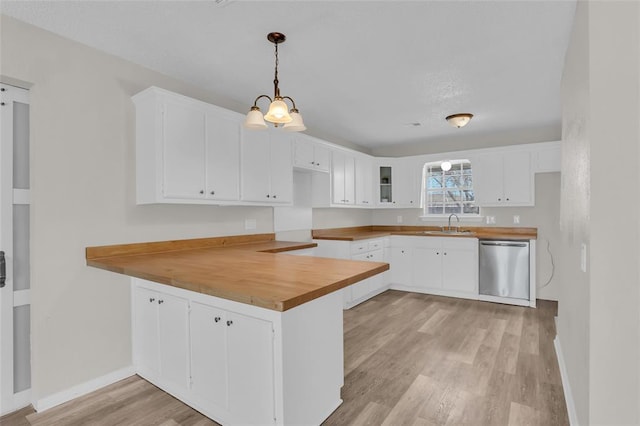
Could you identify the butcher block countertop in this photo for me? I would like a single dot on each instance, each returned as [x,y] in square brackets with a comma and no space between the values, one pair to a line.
[366,232]
[248,269]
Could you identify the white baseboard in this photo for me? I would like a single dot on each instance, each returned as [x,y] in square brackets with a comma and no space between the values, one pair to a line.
[566,386]
[51,401]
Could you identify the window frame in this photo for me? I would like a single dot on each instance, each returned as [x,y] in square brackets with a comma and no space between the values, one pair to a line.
[424,191]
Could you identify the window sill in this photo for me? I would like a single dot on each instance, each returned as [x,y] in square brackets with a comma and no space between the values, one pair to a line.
[441,218]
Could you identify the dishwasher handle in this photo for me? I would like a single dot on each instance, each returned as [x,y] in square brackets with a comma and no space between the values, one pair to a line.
[500,244]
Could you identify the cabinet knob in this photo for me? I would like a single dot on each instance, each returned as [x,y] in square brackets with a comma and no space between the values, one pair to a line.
[213,192]
[317,164]
[411,201]
[216,319]
[202,191]
[499,199]
[437,253]
[507,199]
[268,196]
[313,163]
[275,196]
[229,323]
[445,253]
[160,302]
[394,202]
[151,300]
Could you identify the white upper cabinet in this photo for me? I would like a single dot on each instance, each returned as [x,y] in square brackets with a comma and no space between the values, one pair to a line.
[503,179]
[223,156]
[185,136]
[364,181]
[342,178]
[187,151]
[398,183]
[309,154]
[267,172]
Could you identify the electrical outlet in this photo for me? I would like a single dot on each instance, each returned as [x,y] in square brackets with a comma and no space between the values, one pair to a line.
[399,219]
[491,220]
[583,257]
[516,219]
[250,224]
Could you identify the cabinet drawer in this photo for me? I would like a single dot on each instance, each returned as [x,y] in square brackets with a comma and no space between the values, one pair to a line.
[376,244]
[359,247]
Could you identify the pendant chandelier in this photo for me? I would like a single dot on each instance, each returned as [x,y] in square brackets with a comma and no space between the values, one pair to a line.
[279,112]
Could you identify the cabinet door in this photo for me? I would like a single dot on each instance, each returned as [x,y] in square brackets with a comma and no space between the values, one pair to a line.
[250,360]
[223,157]
[337,178]
[400,266]
[427,268]
[184,138]
[173,315]
[281,171]
[255,167]
[321,156]
[488,179]
[364,182]
[208,354]
[364,287]
[517,178]
[349,179]
[460,270]
[146,335]
[303,153]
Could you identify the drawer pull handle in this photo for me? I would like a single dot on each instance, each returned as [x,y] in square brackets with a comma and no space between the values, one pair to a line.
[216,319]
[229,323]
[151,300]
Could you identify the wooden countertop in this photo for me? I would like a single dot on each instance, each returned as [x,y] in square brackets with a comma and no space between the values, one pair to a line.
[366,232]
[246,269]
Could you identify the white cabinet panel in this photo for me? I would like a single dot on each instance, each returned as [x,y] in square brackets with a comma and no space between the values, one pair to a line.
[342,178]
[309,154]
[223,157]
[364,181]
[184,131]
[267,172]
[459,269]
[401,265]
[250,360]
[503,179]
[174,340]
[209,355]
[146,335]
[426,268]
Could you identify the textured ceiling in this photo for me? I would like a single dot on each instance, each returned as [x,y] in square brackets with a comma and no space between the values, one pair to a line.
[359,71]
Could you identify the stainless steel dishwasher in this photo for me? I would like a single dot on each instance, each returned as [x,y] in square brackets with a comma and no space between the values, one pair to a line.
[504,268]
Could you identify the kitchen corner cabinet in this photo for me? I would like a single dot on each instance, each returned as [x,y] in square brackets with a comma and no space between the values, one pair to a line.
[187,151]
[342,178]
[368,250]
[435,265]
[310,155]
[267,171]
[227,359]
[398,184]
[503,179]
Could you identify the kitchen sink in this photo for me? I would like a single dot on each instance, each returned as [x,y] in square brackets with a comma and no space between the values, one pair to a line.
[447,232]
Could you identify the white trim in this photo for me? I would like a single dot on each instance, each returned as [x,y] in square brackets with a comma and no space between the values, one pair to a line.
[505,300]
[58,398]
[21,196]
[566,386]
[21,399]
[21,297]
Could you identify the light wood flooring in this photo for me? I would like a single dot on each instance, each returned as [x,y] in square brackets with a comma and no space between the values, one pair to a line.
[410,359]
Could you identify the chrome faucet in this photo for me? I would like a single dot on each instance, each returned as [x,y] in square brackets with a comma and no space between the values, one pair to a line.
[457,218]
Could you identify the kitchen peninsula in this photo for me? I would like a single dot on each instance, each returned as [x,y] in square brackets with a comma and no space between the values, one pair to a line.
[235,327]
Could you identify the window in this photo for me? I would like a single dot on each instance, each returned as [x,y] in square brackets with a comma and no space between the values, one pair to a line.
[451,191]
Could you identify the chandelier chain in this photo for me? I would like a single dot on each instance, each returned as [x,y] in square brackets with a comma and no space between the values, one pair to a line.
[275,80]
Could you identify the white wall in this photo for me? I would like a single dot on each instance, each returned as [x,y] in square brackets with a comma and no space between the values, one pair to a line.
[83,194]
[340,217]
[599,313]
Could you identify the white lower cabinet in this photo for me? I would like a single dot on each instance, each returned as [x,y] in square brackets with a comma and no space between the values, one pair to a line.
[161,336]
[227,359]
[232,363]
[369,250]
[436,265]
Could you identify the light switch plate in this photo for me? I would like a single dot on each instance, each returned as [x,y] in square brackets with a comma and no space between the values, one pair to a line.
[250,224]
[399,219]
[491,220]
[516,219]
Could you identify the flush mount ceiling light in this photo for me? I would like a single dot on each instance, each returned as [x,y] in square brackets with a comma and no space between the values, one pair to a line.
[279,112]
[459,120]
